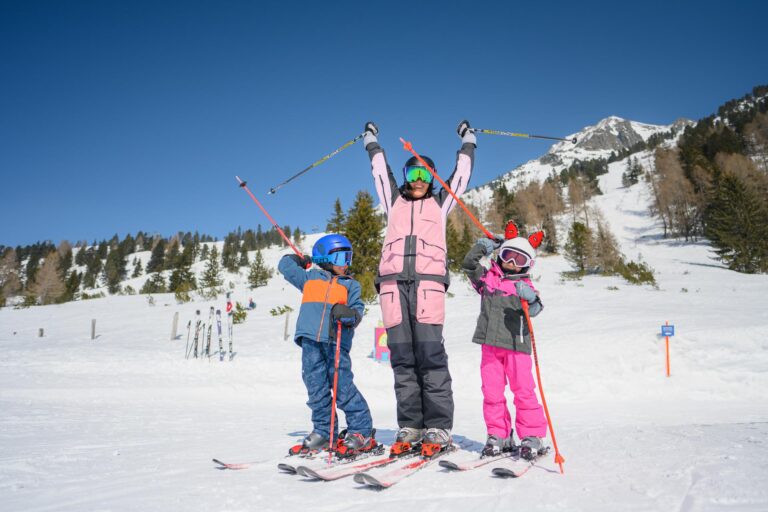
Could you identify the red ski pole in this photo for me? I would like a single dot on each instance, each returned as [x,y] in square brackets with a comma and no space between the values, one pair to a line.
[409,147]
[558,457]
[335,385]
[244,186]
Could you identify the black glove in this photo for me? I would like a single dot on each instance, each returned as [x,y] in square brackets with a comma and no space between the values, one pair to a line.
[304,262]
[346,315]
[371,128]
[463,128]
[467,135]
[369,135]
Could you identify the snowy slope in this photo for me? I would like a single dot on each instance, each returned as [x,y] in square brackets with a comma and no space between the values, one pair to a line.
[126,423]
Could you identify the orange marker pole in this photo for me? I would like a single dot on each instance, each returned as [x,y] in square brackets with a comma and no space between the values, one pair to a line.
[667,323]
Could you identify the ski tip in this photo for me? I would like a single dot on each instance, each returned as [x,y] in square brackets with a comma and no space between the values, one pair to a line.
[503,473]
[286,468]
[448,465]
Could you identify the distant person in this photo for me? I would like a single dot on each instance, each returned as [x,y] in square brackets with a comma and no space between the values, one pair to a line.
[251,304]
[412,281]
[329,296]
[502,330]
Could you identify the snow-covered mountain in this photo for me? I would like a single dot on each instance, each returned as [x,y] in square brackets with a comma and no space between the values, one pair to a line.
[611,135]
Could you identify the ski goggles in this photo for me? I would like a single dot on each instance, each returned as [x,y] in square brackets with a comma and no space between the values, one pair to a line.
[340,258]
[512,255]
[417,172]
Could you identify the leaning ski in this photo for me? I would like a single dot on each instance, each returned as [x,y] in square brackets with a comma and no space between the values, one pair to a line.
[389,479]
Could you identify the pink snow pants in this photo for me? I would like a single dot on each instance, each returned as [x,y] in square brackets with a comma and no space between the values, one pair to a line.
[499,365]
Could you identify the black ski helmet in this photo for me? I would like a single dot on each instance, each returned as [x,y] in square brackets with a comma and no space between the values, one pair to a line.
[415,161]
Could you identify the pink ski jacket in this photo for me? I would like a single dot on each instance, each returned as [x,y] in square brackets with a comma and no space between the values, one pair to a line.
[414,245]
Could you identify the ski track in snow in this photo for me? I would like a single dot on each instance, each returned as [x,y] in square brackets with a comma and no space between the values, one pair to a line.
[124,422]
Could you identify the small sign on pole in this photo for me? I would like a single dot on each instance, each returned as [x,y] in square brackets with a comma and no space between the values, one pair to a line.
[667,331]
[380,348]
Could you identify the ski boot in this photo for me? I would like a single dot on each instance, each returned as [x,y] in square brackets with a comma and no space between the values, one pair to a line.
[407,440]
[355,444]
[496,446]
[531,447]
[311,444]
[435,441]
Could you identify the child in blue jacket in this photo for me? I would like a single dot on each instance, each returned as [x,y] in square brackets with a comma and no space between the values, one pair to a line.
[329,296]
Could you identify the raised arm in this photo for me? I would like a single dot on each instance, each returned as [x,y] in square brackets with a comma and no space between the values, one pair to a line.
[292,267]
[459,179]
[471,265]
[383,179]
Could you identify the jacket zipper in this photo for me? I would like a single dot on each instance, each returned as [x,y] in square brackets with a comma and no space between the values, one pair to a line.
[325,306]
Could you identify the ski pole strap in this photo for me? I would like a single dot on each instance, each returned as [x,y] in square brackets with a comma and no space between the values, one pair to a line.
[524,135]
[326,157]
[409,147]
[244,186]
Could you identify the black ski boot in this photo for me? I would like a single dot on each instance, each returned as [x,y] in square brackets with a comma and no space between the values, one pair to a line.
[531,447]
[354,444]
[496,446]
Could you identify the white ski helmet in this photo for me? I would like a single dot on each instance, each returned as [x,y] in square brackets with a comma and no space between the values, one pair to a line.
[520,245]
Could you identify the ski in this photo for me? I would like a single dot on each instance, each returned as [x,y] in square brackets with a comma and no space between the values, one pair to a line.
[240,465]
[477,463]
[342,468]
[230,319]
[515,472]
[218,325]
[389,479]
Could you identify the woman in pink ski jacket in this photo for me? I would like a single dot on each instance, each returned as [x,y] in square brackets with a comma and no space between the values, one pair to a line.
[412,280]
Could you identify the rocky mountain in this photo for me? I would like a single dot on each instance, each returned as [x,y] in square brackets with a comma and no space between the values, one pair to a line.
[610,135]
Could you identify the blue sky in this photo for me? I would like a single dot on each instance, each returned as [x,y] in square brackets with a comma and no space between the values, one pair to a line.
[124,116]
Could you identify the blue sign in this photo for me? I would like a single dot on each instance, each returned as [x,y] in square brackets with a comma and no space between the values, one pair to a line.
[667,330]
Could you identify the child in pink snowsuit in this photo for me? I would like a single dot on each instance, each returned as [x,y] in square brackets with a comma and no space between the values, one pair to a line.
[502,330]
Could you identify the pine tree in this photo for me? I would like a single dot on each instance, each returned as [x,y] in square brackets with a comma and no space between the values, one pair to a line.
[259,273]
[114,270]
[364,230]
[155,284]
[337,222]
[550,240]
[157,260]
[243,262]
[578,248]
[297,236]
[137,269]
[10,275]
[182,280]
[204,252]
[172,255]
[212,278]
[738,225]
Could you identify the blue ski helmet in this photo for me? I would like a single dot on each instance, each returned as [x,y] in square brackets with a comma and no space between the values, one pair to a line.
[332,249]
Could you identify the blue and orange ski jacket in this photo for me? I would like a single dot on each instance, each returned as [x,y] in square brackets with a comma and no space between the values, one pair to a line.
[320,291]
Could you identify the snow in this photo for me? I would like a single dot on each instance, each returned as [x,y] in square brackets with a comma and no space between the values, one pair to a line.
[124,422]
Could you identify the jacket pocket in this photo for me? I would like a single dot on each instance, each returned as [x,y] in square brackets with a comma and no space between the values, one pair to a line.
[389,299]
[430,258]
[392,257]
[430,302]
